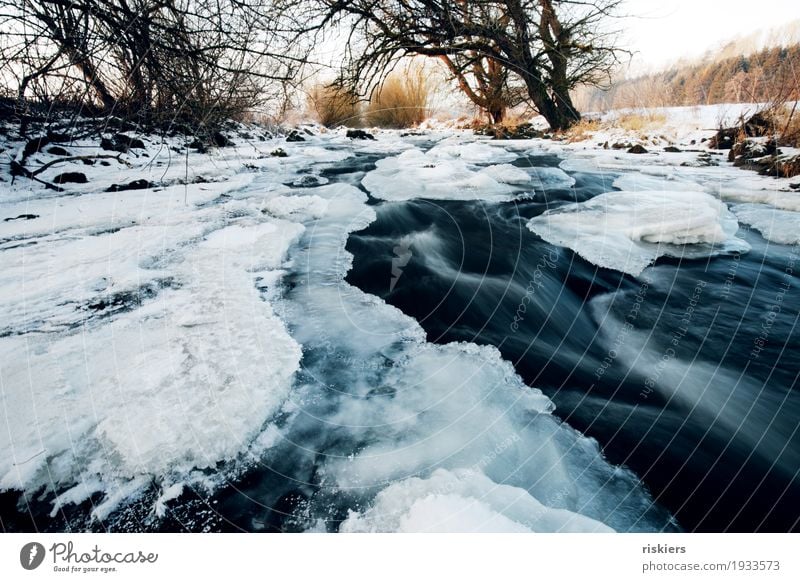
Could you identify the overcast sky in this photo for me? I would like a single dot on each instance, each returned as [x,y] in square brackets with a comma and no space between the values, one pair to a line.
[662,31]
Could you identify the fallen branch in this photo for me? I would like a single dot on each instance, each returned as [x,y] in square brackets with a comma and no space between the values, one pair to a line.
[78,159]
[18,169]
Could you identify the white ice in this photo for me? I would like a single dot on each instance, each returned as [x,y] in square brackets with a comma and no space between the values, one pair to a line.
[774,224]
[442,175]
[463,501]
[627,231]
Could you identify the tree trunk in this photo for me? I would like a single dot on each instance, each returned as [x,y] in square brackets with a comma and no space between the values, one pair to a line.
[556,108]
[497,114]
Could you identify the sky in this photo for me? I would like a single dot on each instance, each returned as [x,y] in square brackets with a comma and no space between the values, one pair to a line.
[663,31]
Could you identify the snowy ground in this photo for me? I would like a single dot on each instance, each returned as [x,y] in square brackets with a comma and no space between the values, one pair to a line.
[145,339]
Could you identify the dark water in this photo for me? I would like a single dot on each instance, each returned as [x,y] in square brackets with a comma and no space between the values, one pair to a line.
[688,374]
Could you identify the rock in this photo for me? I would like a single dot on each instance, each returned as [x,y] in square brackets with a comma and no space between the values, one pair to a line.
[279,153]
[38,143]
[135,185]
[57,151]
[621,146]
[795,186]
[128,142]
[22,217]
[747,152]
[672,150]
[307,181]
[359,134]
[637,149]
[782,166]
[121,143]
[220,140]
[71,178]
[294,136]
[724,138]
[521,131]
[198,145]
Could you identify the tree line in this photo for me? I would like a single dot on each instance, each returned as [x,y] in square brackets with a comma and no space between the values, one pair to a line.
[202,61]
[770,75]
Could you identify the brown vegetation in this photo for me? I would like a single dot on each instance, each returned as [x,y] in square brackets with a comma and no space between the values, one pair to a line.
[334,106]
[401,101]
[766,76]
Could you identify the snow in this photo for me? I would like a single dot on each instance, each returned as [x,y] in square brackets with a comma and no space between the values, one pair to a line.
[627,231]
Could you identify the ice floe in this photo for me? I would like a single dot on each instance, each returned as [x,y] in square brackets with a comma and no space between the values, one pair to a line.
[627,231]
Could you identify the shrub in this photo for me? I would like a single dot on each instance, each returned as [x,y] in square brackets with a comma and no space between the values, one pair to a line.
[334,106]
[401,101]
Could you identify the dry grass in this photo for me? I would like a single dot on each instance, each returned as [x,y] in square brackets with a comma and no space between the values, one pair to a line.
[786,120]
[401,101]
[583,130]
[640,122]
[334,106]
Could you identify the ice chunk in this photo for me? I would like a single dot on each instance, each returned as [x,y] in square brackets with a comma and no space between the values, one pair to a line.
[474,153]
[507,174]
[414,174]
[627,231]
[463,501]
[545,177]
[776,225]
[296,207]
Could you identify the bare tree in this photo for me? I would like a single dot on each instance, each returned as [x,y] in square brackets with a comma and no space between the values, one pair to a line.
[198,60]
[551,45]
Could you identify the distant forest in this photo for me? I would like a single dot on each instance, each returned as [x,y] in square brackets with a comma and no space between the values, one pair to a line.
[769,76]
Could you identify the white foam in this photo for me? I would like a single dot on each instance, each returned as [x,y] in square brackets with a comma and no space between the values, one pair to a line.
[627,231]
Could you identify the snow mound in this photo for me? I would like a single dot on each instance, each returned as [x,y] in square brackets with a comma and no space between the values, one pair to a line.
[627,231]
[775,225]
[463,501]
[439,176]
